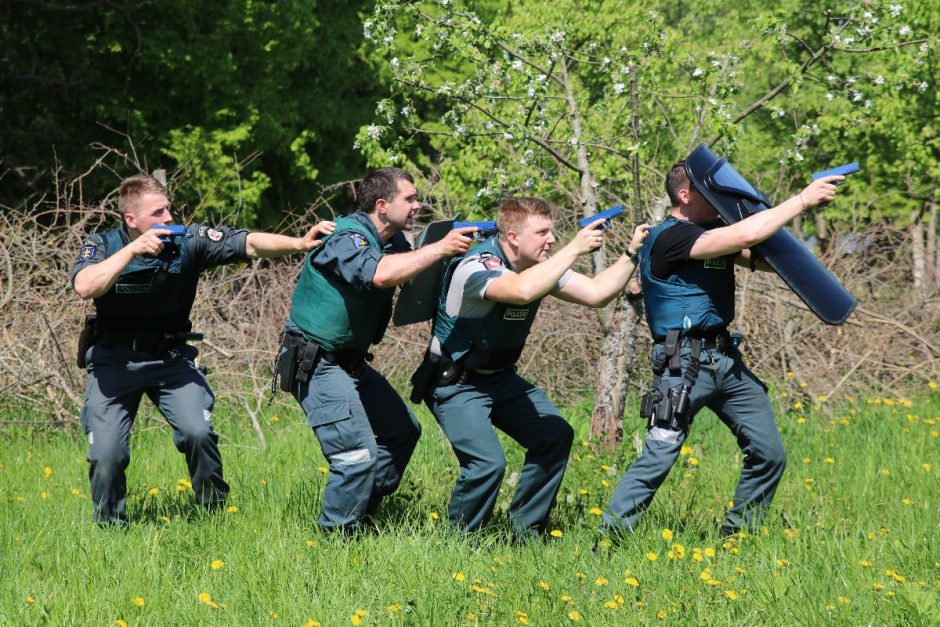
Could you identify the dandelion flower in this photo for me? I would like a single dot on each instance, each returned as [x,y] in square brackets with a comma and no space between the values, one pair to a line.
[843,599]
[667,534]
[565,598]
[217,564]
[731,594]
[601,581]
[355,620]
[783,562]
[30,600]
[459,576]
[543,585]
[596,511]
[611,605]
[312,623]
[709,552]
[231,509]
[47,472]
[574,615]
[435,516]
[557,533]
[139,601]
[632,582]
[323,470]
[651,556]
[120,623]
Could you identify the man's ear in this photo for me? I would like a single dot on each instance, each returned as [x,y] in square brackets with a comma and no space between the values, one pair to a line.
[512,237]
[131,220]
[381,206]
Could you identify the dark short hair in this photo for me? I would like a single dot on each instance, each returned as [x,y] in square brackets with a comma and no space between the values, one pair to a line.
[380,183]
[676,179]
[514,212]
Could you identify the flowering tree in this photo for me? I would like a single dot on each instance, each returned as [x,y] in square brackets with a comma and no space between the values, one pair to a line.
[589,104]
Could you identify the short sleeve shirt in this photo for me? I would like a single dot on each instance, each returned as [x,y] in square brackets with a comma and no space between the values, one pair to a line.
[466,297]
[348,256]
[672,248]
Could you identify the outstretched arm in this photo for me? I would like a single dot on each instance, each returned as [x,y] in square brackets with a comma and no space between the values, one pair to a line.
[602,288]
[756,228]
[273,245]
[393,270]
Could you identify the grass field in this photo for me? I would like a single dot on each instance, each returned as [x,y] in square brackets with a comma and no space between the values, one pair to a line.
[853,538]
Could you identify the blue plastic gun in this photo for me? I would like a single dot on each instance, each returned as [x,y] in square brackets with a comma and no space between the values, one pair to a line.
[484,229]
[607,216]
[175,230]
[842,170]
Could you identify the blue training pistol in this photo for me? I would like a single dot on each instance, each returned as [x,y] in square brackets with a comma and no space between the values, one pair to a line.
[842,170]
[176,230]
[484,229]
[607,216]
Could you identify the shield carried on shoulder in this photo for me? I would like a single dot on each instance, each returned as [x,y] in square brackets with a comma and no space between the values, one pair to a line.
[734,198]
[418,298]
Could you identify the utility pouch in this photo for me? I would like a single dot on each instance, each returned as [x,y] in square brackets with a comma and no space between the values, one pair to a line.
[647,404]
[448,372]
[423,376]
[86,338]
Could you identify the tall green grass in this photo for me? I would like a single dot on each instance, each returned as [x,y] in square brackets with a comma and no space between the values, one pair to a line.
[852,538]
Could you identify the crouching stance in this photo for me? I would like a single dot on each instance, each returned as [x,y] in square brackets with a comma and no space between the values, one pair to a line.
[342,305]
[143,280]
[687,266]
[487,307]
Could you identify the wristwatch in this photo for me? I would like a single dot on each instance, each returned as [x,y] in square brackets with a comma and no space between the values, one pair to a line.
[632,256]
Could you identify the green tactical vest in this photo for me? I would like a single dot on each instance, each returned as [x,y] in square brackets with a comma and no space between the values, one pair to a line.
[335,315]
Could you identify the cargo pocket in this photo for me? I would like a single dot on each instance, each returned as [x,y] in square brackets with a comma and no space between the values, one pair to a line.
[328,413]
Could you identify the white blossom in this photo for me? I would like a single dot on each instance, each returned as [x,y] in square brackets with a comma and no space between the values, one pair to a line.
[618,88]
[904,31]
[557,37]
[517,65]
[406,110]
[367,30]
[923,86]
[879,80]
[856,95]
[830,97]
[697,72]
[605,60]
[507,135]
[624,69]
[394,63]
[459,130]
[895,10]
[373,132]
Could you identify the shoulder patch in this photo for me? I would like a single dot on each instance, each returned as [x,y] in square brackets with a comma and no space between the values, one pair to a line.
[214,234]
[492,262]
[88,250]
[202,231]
[359,239]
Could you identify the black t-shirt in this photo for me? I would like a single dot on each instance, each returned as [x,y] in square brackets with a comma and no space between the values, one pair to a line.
[671,249]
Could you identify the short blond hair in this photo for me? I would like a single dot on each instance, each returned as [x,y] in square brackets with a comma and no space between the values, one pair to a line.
[514,212]
[136,186]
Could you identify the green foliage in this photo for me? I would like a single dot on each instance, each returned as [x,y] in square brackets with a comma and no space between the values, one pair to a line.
[851,540]
[287,75]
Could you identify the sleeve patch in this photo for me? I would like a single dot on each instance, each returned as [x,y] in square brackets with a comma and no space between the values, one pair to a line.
[359,240]
[493,263]
[214,235]
[87,252]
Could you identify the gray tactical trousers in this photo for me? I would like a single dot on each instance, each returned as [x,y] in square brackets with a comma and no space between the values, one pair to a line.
[117,379]
[468,413]
[367,435]
[727,387]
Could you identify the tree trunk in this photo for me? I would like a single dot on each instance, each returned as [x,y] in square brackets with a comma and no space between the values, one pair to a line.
[933,255]
[617,353]
[918,254]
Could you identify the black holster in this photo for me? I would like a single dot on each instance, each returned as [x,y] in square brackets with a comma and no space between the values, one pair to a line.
[424,376]
[86,339]
[294,362]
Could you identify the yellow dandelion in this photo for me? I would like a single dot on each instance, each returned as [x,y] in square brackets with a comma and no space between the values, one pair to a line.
[459,576]
[709,552]
[120,623]
[583,492]
[619,599]
[685,450]
[789,374]
[44,494]
[153,491]
[885,472]
[355,620]
[877,587]
[361,613]
[275,418]
[667,534]
[739,570]
[693,461]
[47,472]
[829,460]
[557,533]
[30,600]
[205,597]
[323,470]
[633,582]
[907,501]
[184,482]
[865,564]
[395,607]
[574,615]
[927,467]
[434,515]
[273,615]
[798,405]
[139,601]
[611,605]
[565,598]
[651,556]
[731,594]
[661,614]
[843,599]
[601,581]
[783,562]
[231,509]
[544,585]
[217,564]
[932,385]
[76,492]
[801,420]
[312,623]
[596,511]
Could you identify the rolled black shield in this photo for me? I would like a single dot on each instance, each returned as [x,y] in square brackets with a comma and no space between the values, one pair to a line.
[734,198]
[417,300]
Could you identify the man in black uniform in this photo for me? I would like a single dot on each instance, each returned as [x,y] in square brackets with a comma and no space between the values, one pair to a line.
[143,284]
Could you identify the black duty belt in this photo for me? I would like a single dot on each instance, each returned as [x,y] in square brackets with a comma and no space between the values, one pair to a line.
[347,360]
[154,345]
[718,341]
